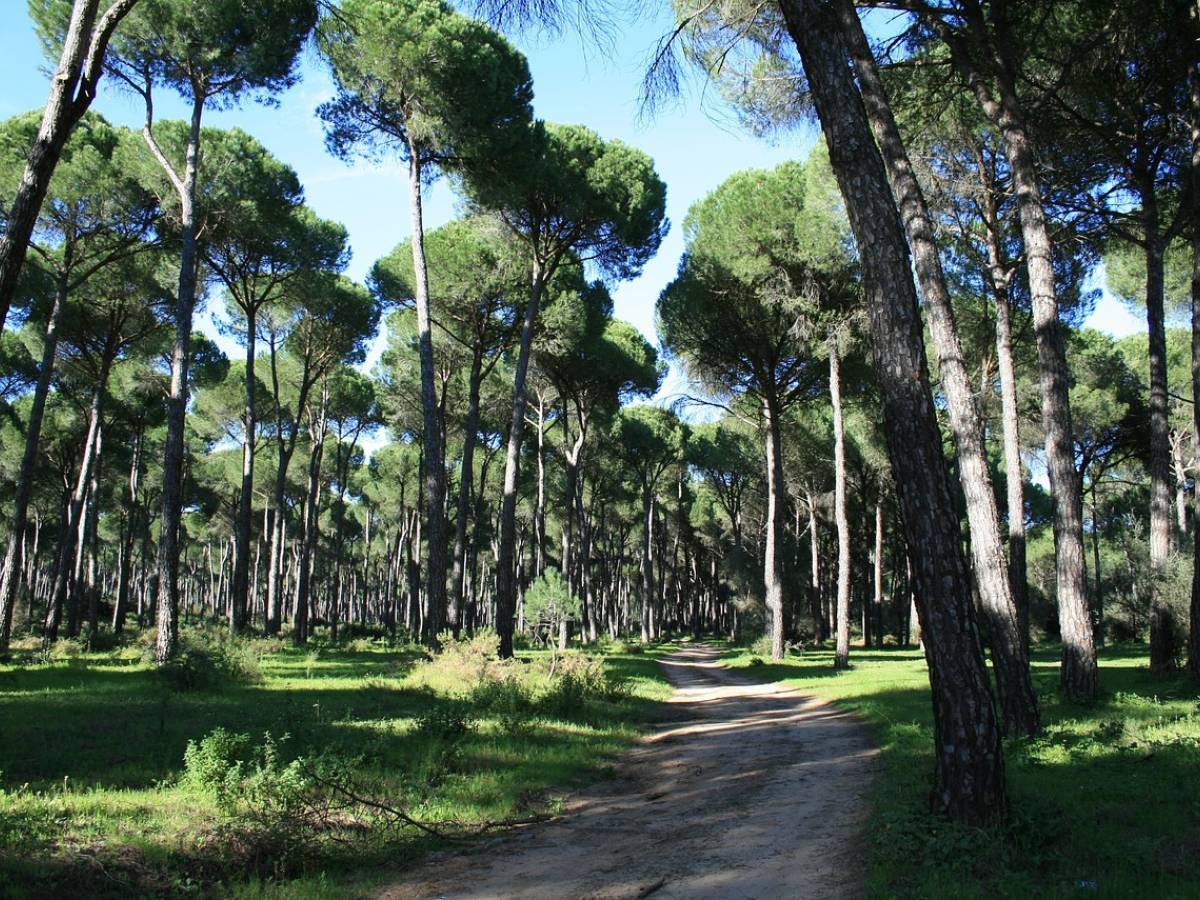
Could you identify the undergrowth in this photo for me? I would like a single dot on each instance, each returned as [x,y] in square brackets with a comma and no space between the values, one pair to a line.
[248,767]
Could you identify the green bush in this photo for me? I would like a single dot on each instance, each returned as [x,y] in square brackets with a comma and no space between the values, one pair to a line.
[447,721]
[209,660]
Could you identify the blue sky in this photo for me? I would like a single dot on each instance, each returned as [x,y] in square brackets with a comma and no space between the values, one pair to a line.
[695,144]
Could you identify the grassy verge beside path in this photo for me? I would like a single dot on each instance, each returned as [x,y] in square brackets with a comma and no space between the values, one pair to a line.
[1106,802]
[96,800]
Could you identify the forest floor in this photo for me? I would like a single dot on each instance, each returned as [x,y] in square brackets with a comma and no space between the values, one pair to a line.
[750,790]
[1105,802]
[118,780]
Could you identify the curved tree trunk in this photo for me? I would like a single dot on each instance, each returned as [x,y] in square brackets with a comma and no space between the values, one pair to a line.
[969,766]
[1009,657]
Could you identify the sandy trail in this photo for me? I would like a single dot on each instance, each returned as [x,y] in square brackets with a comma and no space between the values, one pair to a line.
[752,791]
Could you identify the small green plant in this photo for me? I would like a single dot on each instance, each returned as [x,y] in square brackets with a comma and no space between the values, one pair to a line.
[446,721]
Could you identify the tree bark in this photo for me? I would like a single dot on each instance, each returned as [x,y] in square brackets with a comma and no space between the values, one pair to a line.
[1009,656]
[1194,123]
[309,527]
[773,557]
[506,601]
[72,525]
[435,467]
[969,771]
[1162,628]
[125,569]
[466,476]
[11,576]
[72,90]
[1079,672]
[841,659]
[1014,480]
[240,588]
[170,525]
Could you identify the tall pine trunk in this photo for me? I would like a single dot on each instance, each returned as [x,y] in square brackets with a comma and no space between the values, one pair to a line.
[431,435]
[506,599]
[1003,108]
[240,588]
[773,557]
[1162,630]
[10,578]
[1009,657]
[170,524]
[466,475]
[969,766]
[841,659]
[1194,111]
[72,90]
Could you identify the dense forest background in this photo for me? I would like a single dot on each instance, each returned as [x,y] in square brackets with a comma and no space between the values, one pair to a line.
[887,425]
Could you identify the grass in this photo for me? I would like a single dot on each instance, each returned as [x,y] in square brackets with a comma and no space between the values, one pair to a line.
[92,749]
[1106,802]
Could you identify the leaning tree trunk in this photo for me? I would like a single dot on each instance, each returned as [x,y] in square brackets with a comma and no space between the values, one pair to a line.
[506,599]
[1009,657]
[773,556]
[841,659]
[435,467]
[170,525]
[1079,672]
[72,90]
[969,766]
[11,576]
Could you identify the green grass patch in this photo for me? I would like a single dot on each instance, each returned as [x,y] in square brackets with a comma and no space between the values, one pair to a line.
[95,799]
[1106,802]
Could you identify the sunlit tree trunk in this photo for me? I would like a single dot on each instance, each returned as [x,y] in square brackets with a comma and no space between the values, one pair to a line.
[841,659]
[1009,656]
[969,766]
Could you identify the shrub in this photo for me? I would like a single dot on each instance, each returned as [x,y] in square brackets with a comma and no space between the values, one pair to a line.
[445,721]
[575,679]
[761,646]
[208,661]
[464,664]
[214,765]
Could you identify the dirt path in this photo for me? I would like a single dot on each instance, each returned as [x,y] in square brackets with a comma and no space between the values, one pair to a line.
[754,792]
